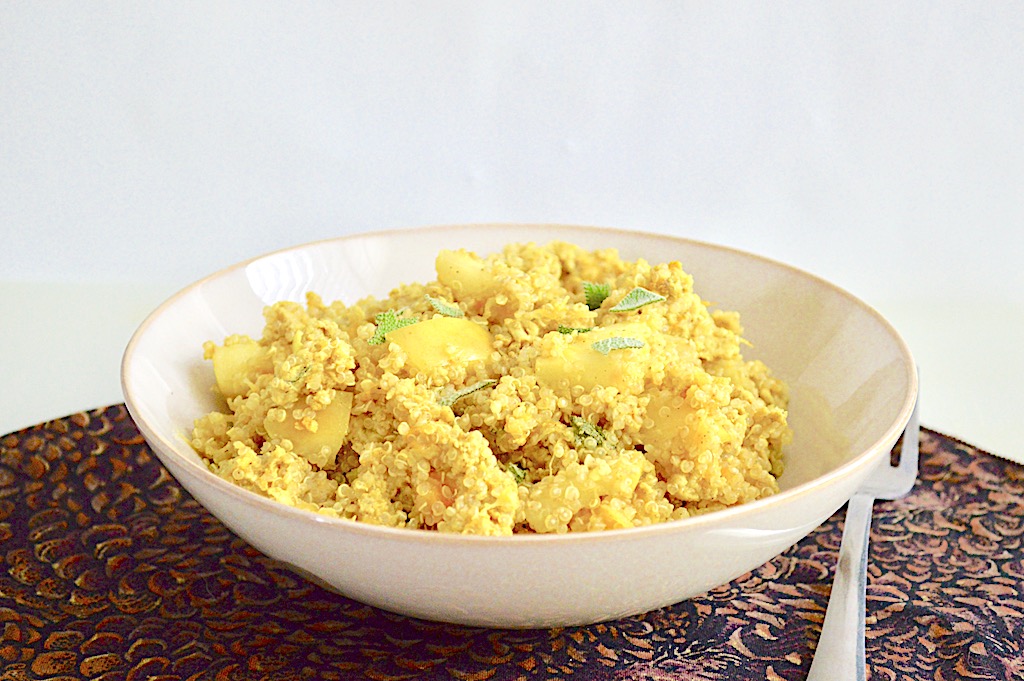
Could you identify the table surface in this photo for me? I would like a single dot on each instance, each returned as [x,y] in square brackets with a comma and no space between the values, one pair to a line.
[61,347]
[111,570]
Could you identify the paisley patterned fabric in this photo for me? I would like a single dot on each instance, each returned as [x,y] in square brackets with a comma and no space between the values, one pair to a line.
[109,570]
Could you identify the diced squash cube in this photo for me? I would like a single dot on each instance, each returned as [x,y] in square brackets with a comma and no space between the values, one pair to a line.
[691,422]
[464,273]
[581,365]
[442,341]
[432,499]
[321,446]
[613,518]
[238,364]
[597,483]
[576,362]
[669,414]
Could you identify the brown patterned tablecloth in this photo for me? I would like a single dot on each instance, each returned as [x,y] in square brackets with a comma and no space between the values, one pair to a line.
[109,570]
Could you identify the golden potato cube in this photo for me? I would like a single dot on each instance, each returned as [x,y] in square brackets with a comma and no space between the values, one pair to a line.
[464,273]
[238,364]
[321,446]
[442,341]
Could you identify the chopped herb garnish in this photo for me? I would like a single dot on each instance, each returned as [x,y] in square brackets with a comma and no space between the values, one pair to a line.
[595,293]
[636,299]
[583,429]
[450,396]
[444,307]
[574,329]
[300,374]
[517,473]
[616,343]
[388,321]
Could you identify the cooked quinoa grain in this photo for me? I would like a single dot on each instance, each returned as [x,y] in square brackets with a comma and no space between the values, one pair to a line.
[542,389]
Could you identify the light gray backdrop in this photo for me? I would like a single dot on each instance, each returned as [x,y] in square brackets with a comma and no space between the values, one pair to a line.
[877,144]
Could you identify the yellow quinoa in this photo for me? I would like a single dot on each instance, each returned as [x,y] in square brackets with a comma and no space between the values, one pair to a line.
[540,389]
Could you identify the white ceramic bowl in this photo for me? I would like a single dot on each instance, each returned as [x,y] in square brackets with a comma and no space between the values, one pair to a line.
[853,388]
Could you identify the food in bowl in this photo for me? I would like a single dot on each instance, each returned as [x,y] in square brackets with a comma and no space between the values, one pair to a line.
[542,389]
[852,389]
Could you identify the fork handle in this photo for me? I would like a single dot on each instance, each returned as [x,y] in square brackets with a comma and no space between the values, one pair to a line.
[840,651]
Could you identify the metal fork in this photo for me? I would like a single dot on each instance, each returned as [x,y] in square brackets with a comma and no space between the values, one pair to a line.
[840,650]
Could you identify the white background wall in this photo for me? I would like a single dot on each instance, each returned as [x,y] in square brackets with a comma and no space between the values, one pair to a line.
[877,144]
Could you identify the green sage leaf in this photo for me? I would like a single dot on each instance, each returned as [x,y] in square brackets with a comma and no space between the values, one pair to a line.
[444,307]
[595,293]
[606,345]
[450,396]
[636,299]
[582,429]
[388,321]
[517,473]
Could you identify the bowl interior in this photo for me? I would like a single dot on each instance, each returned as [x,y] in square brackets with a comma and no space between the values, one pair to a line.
[852,378]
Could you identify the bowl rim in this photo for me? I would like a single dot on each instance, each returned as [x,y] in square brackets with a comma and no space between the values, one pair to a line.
[163,446]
